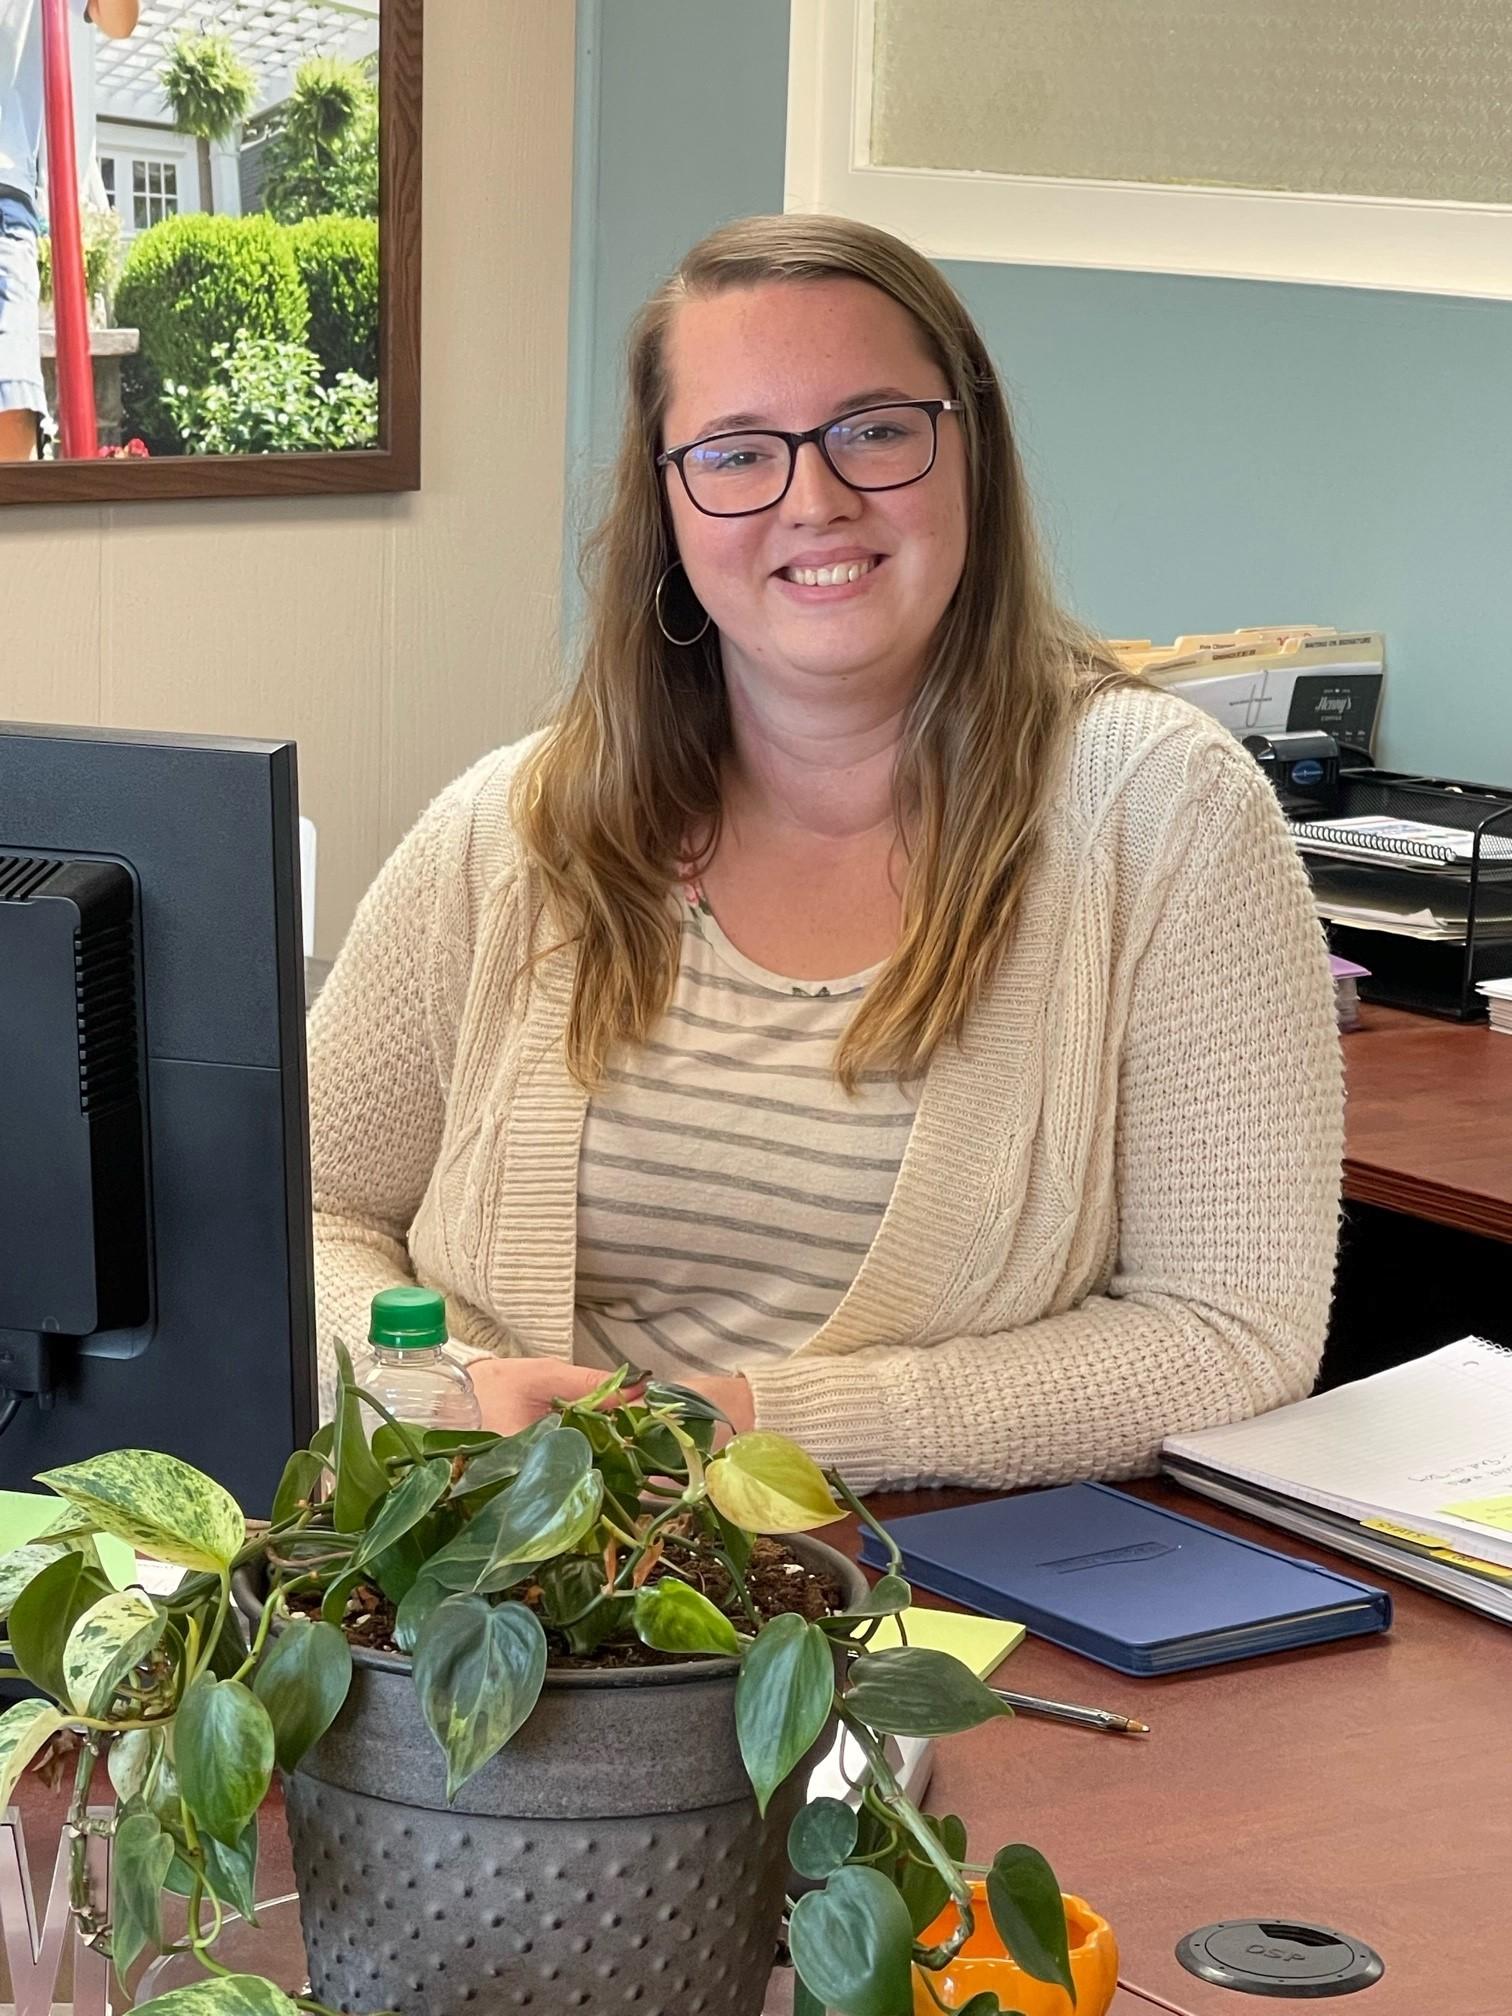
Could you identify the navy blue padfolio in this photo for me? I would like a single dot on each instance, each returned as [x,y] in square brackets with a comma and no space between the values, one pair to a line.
[1127,1583]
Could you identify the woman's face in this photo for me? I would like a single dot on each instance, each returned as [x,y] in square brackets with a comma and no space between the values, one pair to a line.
[791,355]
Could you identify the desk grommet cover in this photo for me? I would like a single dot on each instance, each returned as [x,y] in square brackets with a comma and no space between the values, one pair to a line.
[1274,1956]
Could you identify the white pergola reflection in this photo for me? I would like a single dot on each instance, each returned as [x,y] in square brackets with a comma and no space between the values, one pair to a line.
[273,36]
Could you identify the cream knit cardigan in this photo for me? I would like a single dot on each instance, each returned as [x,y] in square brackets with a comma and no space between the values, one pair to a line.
[1117,1213]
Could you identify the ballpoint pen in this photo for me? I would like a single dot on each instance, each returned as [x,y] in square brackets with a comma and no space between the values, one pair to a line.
[1066,1711]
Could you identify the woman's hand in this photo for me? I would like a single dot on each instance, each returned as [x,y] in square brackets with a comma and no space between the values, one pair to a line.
[513,1392]
[733,1397]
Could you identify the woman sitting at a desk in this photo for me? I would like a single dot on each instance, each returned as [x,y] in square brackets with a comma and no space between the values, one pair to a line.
[864,1003]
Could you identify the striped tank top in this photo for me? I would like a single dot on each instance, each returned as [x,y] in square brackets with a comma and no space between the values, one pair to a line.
[728,1187]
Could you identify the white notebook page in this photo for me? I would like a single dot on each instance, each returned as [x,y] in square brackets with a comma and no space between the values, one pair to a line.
[1401,1445]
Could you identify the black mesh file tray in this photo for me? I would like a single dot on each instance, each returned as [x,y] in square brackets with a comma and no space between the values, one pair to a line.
[1433,976]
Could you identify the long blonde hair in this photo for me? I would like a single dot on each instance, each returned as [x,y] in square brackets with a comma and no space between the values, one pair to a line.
[630,769]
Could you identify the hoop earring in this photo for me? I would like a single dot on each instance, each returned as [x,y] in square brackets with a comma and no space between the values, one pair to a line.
[661,621]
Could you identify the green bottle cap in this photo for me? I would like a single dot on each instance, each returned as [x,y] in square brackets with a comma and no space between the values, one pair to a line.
[408,1319]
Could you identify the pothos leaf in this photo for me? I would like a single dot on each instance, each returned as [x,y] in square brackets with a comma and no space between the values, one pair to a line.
[782,1700]
[822,1837]
[22,1564]
[671,1617]
[1030,1913]
[24,1728]
[111,1637]
[223,1748]
[45,1612]
[138,1868]
[360,1479]
[222,1995]
[852,1944]
[302,1682]
[767,1484]
[479,1669]
[165,1508]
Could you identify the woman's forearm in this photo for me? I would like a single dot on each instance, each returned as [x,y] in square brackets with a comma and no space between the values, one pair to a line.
[1088,1393]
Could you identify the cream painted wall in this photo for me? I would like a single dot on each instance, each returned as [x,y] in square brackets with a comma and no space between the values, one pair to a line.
[395,638]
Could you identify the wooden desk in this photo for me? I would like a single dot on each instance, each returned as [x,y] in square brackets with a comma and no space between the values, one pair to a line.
[1428,1129]
[1366,1786]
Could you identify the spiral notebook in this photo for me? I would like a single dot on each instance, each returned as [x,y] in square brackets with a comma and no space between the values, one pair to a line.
[1401,843]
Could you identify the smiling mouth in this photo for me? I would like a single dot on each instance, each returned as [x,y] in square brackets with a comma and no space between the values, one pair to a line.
[830,577]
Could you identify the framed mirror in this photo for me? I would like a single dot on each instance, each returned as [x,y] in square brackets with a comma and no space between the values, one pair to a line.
[209,248]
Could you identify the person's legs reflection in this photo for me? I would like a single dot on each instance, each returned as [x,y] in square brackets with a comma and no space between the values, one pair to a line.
[22,399]
[18,437]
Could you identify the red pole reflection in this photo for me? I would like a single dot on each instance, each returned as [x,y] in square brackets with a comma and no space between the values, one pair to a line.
[76,405]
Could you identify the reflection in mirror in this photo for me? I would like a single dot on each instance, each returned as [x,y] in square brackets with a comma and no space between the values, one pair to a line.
[192,253]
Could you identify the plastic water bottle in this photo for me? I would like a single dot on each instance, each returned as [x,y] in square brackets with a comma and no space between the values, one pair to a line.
[408,1367]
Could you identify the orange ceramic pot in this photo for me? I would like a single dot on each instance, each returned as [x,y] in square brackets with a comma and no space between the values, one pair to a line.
[983,1963]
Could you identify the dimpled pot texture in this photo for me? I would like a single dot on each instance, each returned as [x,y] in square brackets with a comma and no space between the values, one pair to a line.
[611,1857]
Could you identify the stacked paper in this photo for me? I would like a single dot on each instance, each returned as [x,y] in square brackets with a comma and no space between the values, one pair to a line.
[1410,1470]
[1346,976]
[1409,905]
[1498,995]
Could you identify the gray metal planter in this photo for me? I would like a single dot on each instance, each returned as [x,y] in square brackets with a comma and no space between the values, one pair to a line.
[609,1858]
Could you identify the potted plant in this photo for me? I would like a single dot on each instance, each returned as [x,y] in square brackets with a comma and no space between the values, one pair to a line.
[543,1705]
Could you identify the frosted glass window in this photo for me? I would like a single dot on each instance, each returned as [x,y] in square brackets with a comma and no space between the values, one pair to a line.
[1332,97]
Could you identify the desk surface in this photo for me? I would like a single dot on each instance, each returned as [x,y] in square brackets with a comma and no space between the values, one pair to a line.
[1429,1123]
[1366,1786]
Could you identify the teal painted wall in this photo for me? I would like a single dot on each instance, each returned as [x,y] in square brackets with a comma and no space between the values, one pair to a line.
[1204,452]
[682,115]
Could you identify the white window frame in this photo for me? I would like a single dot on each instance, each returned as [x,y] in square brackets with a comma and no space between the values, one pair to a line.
[1341,241]
[128,142]
[170,161]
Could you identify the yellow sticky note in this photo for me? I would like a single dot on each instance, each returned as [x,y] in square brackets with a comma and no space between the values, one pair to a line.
[982,1643]
[1495,1512]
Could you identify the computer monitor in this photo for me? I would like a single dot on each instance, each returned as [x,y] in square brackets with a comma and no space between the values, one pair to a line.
[156,1281]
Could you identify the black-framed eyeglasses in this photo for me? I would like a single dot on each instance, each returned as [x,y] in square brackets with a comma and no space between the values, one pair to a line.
[877,448]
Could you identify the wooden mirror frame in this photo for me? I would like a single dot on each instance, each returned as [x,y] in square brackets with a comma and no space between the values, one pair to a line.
[395,464]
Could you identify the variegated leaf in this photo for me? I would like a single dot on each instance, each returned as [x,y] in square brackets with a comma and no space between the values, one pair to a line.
[478,1673]
[130,1760]
[111,1637]
[18,1567]
[24,1728]
[165,1508]
[224,1995]
[72,1523]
